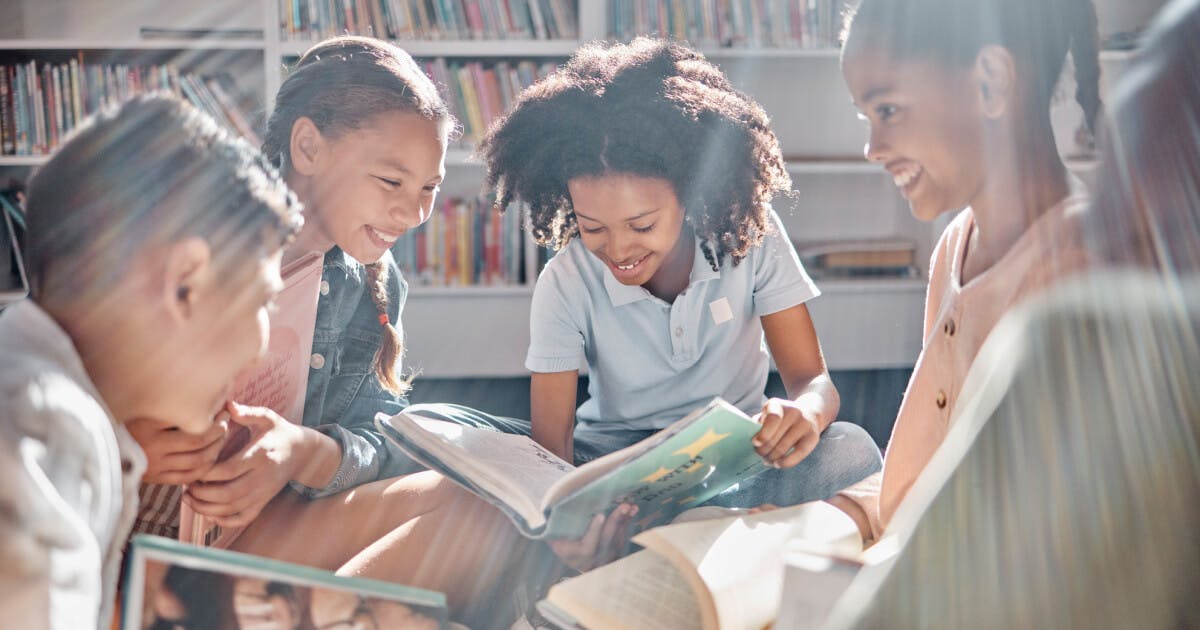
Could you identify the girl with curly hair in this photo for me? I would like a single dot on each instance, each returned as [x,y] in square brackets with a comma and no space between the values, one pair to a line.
[652,177]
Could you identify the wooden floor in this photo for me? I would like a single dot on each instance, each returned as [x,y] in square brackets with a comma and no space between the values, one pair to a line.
[870,398]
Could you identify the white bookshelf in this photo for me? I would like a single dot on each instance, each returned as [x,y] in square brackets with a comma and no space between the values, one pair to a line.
[483,331]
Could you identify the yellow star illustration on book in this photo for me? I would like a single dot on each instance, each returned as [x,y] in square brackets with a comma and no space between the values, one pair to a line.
[686,500]
[709,438]
[656,475]
[694,467]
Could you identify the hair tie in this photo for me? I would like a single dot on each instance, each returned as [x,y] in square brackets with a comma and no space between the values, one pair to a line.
[383,319]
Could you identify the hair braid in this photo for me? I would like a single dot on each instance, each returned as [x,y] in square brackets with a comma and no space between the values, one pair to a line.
[391,347]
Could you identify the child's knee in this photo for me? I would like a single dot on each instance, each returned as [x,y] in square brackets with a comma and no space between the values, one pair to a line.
[852,449]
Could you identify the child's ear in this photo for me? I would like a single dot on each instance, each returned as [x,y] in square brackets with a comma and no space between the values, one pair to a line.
[995,76]
[306,146]
[187,276]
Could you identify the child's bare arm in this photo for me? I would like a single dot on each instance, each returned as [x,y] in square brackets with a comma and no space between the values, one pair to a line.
[552,410]
[791,428]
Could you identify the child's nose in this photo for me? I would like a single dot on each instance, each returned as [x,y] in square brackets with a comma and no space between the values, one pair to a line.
[875,149]
[409,213]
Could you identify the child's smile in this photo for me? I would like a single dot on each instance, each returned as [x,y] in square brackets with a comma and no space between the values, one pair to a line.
[925,129]
[633,224]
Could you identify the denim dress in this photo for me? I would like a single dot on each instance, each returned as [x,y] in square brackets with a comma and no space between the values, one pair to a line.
[343,393]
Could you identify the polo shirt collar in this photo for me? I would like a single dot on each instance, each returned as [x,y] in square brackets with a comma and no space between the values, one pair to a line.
[622,294]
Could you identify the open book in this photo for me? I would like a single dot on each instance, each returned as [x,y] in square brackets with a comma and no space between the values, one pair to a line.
[677,468]
[724,573]
[279,380]
[175,585]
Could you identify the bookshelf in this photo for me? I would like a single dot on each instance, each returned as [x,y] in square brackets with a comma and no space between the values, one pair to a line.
[483,330]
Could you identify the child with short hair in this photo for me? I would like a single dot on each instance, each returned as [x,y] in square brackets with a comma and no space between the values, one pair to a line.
[958,96]
[653,178]
[152,235]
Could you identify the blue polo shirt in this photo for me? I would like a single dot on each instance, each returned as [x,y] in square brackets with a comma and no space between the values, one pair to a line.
[651,362]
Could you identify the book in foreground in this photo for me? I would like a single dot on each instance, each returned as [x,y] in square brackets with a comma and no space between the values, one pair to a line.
[176,585]
[677,468]
[719,574]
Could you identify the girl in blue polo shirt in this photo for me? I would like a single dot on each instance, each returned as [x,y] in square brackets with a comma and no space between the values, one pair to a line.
[652,177]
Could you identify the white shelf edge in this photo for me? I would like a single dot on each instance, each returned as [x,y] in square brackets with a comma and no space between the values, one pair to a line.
[470,292]
[870,285]
[136,44]
[23,160]
[462,48]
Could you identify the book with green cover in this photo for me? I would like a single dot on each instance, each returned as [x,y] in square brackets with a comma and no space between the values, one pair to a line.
[178,585]
[675,469]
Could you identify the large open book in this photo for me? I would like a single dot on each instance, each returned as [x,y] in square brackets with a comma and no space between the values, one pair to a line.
[723,573]
[175,585]
[279,380]
[677,468]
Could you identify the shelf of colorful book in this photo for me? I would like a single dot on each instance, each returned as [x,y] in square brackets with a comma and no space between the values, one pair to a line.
[203,44]
[44,92]
[522,291]
[463,48]
[430,19]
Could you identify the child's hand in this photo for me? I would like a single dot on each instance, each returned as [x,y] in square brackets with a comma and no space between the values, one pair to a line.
[604,539]
[239,487]
[788,434]
[175,457]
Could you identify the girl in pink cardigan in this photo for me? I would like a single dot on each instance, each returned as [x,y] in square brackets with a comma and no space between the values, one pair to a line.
[957,95]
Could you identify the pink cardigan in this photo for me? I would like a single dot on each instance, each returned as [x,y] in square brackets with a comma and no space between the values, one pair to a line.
[957,321]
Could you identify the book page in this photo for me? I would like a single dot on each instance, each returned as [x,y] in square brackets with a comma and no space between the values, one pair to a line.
[511,468]
[642,590]
[278,380]
[739,559]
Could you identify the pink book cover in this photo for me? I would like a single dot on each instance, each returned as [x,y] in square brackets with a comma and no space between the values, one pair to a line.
[278,381]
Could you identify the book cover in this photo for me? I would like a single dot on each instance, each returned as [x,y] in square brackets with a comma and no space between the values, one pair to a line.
[279,380]
[175,585]
[677,468]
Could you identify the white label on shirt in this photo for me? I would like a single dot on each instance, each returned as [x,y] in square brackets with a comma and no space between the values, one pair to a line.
[720,310]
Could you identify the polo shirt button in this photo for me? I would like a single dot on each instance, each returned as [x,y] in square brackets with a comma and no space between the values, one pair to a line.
[679,331]
[949,327]
[324,287]
[941,399]
[126,465]
[317,361]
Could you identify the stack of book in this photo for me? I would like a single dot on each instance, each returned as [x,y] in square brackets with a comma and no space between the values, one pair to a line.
[883,258]
[430,19]
[732,23]
[465,243]
[479,92]
[41,102]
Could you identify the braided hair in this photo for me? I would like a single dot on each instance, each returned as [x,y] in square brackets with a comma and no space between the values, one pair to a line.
[340,84]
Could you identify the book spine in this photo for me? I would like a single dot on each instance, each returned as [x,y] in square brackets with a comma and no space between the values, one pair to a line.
[7,136]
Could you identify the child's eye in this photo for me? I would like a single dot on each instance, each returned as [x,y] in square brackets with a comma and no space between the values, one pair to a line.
[886,112]
[587,230]
[391,183]
[432,189]
[643,230]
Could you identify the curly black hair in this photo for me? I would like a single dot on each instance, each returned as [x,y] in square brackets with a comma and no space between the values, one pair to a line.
[650,108]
